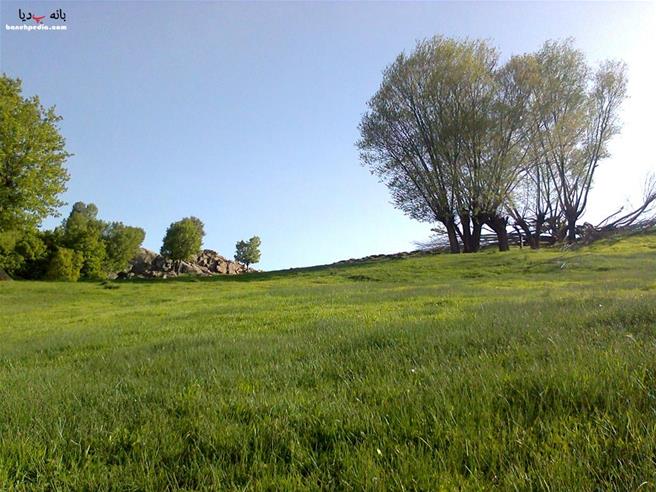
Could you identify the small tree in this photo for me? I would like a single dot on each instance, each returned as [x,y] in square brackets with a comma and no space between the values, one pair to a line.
[248,252]
[65,265]
[82,232]
[121,244]
[183,239]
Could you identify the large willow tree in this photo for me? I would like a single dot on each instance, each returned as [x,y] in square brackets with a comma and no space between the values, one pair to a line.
[444,132]
[465,141]
[573,114]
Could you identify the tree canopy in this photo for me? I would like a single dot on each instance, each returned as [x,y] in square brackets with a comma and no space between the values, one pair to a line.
[83,246]
[248,252]
[183,239]
[573,114]
[465,141]
[122,243]
[82,232]
[32,157]
[32,172]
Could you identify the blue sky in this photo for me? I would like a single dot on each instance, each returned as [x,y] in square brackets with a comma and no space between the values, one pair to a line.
[245,114]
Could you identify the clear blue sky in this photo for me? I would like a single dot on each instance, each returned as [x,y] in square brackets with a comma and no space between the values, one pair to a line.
[246,114]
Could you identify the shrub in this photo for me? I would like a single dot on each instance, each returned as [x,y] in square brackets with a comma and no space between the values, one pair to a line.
[65,265]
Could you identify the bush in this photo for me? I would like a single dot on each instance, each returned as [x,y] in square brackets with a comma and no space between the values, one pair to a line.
[65,265]
[19,249]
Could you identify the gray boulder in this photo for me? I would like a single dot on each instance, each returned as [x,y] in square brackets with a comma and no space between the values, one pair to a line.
[143,261]
[148,264]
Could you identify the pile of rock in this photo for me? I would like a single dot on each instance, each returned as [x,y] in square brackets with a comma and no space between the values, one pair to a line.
[148,264]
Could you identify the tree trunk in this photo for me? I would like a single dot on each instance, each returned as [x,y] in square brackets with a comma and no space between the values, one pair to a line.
[467,243]
[535,238]
[571,228]
[532,238]
[499,225]
[471,233]
[454,245]
[534,241]
[502,235]
[520,236]
[476,234]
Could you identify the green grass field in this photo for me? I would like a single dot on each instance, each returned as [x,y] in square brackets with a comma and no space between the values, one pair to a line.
[523,370]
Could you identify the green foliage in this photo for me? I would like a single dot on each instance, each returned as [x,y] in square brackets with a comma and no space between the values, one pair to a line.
[65,265]
[103,247]
[248,252]
[121,245]
[183,239]
[532,370]
[32,157]
[463,140]
[442,133]
[37,267]
[32,173]
[82,232]
[574,113]
[19,248]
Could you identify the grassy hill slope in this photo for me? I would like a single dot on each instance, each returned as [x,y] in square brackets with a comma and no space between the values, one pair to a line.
[534,370]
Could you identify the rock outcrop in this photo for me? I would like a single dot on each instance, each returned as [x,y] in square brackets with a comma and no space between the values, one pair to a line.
[148,264]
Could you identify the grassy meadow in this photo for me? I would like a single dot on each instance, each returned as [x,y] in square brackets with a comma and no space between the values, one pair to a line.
[518,371]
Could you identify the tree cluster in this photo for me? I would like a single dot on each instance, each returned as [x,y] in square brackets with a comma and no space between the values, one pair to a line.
[82,247]
[465,141]
[33,176]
